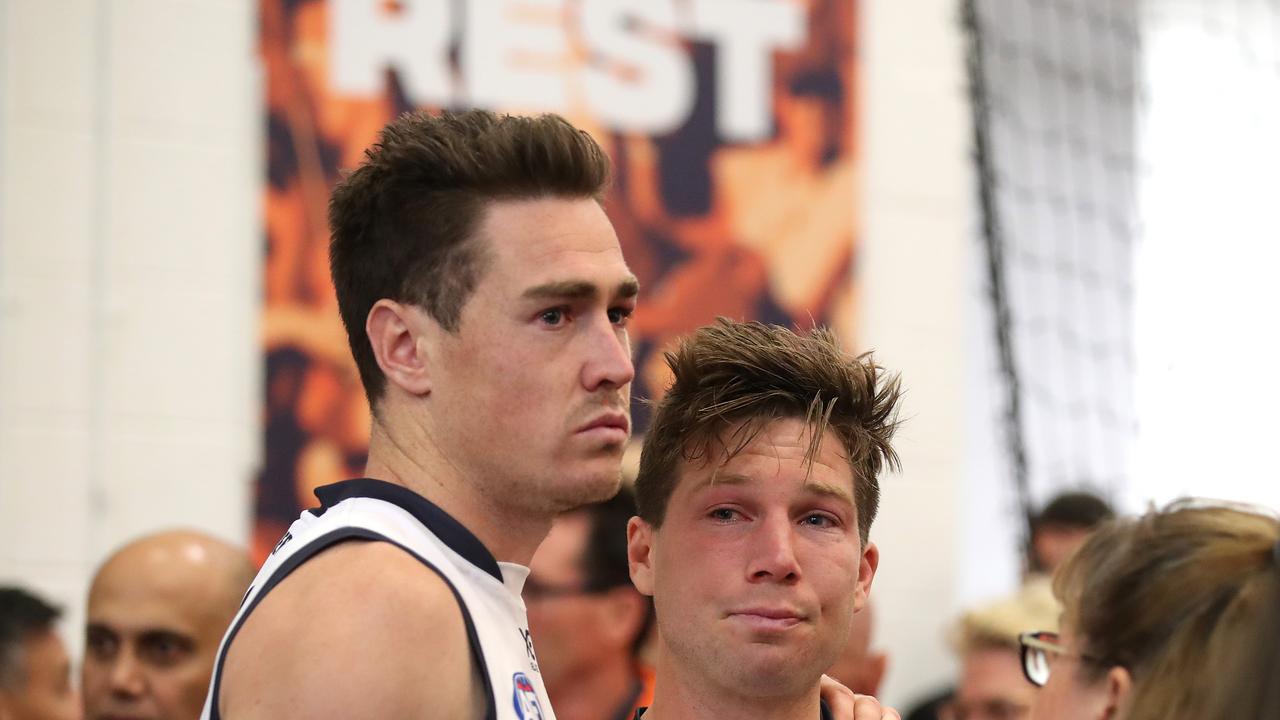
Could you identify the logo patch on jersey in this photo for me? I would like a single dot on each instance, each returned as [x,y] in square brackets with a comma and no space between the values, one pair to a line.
[525,698]
[528,648]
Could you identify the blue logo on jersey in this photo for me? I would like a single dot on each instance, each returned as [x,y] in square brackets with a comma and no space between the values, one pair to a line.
[525,698]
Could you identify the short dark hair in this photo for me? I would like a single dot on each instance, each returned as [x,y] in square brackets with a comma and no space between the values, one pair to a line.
[731,372]
[403,223]
[22,615]
[1077,509]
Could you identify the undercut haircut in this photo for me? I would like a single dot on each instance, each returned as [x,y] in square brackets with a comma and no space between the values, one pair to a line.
[22,616]
[403,224]
[735,378]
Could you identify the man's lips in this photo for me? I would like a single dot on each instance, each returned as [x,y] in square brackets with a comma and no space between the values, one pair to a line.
[607,422]
[768,618]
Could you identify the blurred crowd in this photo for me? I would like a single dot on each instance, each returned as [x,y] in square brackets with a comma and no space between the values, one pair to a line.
[1174,614]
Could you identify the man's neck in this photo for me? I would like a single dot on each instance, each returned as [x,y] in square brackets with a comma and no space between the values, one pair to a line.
[511,534]
[603,687]
[682,696]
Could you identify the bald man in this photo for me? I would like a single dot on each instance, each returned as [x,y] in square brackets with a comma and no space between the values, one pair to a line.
[157,611]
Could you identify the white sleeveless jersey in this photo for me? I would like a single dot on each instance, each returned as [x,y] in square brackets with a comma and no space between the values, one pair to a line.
[487,591]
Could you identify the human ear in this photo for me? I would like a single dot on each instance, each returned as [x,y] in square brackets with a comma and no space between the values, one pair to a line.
[395,332]
[867,565]
[1119,684]
[640,537]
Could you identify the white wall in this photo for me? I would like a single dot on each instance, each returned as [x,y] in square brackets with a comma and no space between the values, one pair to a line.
[913,266]
[129,278]
[1208,336]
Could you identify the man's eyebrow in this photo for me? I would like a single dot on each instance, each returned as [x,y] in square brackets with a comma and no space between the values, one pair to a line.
[580,289]
[817,488]
[157,634]
[837,492]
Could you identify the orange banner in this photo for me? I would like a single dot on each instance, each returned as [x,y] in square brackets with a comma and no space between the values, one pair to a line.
[731,124]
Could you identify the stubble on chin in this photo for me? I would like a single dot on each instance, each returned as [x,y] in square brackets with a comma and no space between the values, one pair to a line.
[553,496]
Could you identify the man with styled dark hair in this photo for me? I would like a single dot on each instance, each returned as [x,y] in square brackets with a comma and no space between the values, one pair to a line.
[758,484]
[35,672]
[486,299]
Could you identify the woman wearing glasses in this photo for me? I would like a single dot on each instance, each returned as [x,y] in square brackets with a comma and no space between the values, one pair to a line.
[1172,615]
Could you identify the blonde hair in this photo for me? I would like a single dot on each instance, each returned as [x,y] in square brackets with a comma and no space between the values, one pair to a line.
[998,624]
[1186,599]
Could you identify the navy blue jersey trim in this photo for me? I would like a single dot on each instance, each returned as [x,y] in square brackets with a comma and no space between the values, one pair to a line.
[311,550]
[450,531]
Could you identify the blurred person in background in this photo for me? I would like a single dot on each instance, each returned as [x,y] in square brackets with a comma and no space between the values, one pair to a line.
[1056,531]
[991,684]
[157,609]
[1061,527]
[589,621]
[858,667]
[35,672]
[1166,617]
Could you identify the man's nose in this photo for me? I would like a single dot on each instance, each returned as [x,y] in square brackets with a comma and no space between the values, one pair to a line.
[126,675]
[608,363]
[774,552]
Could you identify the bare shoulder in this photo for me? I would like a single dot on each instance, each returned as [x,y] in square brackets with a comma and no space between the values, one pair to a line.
[363,629]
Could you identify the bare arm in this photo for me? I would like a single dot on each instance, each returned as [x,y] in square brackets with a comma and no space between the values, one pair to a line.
[361,630]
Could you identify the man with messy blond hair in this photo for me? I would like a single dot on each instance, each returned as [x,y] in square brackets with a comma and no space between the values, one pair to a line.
[758,484]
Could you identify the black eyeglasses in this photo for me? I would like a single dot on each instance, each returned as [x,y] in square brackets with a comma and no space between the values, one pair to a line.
[1037,647]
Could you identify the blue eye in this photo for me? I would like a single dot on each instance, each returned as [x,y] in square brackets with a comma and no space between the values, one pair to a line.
[819,520]
[552,317]
[723,514]
[618,316]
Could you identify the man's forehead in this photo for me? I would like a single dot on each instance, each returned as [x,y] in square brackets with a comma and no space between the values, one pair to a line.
[755,447]
[521,229]
[128,622]
[136,609]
